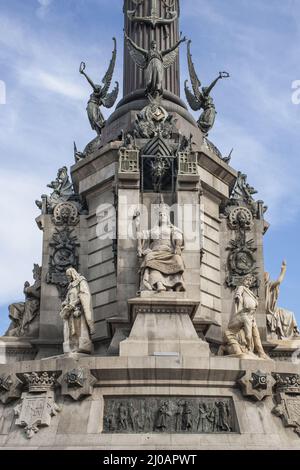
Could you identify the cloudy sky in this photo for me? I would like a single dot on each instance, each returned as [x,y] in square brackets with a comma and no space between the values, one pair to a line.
[42,43]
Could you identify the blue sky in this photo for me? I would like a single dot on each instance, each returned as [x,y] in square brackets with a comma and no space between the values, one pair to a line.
[42,43]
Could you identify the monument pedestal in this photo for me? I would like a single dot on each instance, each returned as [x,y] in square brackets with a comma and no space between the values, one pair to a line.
[162,326]
[15,350]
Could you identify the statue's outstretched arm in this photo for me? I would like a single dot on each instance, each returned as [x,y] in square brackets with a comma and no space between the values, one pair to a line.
[213,84]
[282,273]
[82,71]
[135,46]
[163,53]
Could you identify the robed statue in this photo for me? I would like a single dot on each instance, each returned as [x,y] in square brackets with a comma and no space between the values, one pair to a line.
[77,314]
[24,314]
[100,95]
[160,251]
[154,62]
[281,323]
[242,337]
[200,98]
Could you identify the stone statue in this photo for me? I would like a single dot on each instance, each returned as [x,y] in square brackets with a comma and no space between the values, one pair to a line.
[187,417]
[280,322]
[163,416]
[100,95]
[155,62]
[203,412]
[123,416]
[178,415]
[223,416]
[160,249]
[62,190]
[242,337]
[22,314]
[201,99]
[133,415]
[77,314]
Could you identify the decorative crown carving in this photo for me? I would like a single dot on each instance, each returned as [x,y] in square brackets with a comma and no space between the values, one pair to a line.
[40,381]
[288,384]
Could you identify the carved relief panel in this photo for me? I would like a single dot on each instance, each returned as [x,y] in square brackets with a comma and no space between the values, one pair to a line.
[133,415]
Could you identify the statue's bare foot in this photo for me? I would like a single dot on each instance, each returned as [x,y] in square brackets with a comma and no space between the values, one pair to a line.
[263,355]
[161,287]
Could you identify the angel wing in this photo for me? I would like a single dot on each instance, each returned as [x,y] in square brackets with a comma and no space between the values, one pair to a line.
[109,74]
[194,101]
[196,84]
[170,58]
[111,98]
[136,54]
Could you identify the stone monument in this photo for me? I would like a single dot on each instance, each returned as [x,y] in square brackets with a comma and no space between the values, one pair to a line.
[151,322]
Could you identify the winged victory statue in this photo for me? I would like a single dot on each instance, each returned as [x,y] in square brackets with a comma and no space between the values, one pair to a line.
[101,96]
[200,98]
[154,62]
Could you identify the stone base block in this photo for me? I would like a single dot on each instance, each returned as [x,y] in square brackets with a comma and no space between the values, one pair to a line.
[85,346]
[163,326]
[160,347]
[15,350]
[47,348]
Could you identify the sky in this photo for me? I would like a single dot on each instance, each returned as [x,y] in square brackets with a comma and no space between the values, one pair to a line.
[42,43]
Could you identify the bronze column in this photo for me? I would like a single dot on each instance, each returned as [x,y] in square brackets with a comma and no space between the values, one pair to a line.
[142,34]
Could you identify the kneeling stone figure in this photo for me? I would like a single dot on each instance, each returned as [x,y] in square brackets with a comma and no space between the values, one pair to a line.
[242,336]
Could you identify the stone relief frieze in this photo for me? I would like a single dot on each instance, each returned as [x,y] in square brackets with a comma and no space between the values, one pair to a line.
[169,415]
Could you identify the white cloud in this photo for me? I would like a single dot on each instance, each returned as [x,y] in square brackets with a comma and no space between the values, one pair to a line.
[36,78]
[43,8]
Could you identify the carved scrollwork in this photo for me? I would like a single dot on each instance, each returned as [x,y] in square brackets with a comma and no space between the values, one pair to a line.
[65,213]
[240,217]
[64,255]
[241,259]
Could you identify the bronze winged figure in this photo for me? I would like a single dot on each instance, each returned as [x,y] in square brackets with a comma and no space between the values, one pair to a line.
[100,95]
[200,98]
[154,62]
